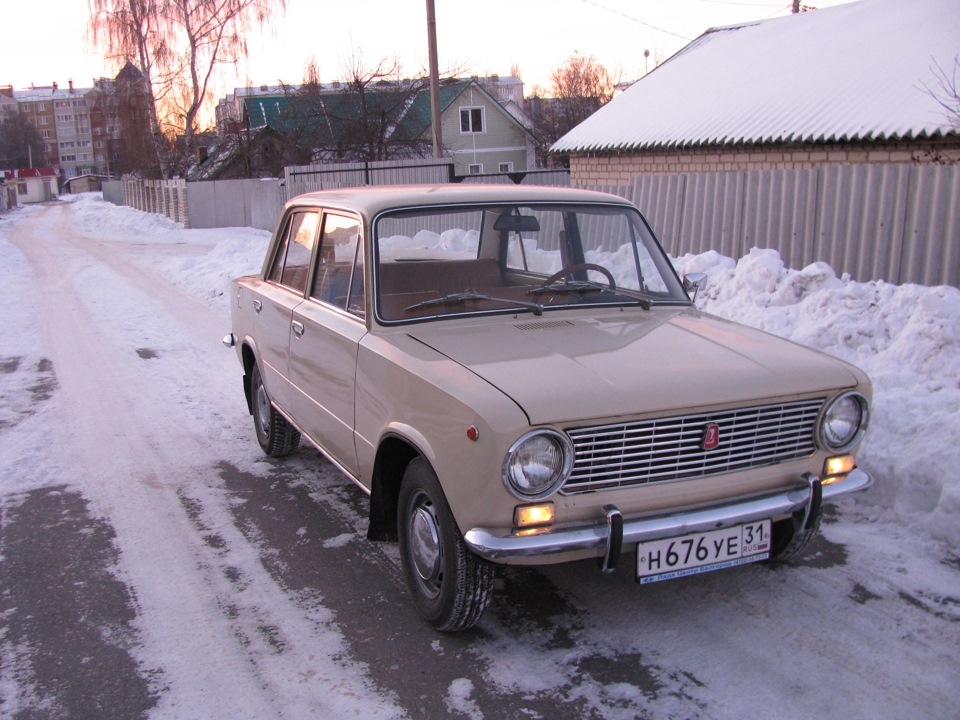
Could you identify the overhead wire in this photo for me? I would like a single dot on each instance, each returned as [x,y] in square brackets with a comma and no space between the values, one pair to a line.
[628,17]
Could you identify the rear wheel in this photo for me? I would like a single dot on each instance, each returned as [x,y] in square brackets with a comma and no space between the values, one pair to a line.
[451,586]
[276,436]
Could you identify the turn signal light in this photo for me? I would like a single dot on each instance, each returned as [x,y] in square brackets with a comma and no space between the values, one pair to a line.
[837,468]
[533,515]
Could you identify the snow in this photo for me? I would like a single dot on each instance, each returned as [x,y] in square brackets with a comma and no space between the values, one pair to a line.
[907,339]
[859,71]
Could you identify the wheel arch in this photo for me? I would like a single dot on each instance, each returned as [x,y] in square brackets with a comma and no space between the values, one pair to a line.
[394,454]
[248,358]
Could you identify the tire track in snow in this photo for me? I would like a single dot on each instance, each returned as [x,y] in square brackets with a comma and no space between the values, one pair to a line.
[137,441]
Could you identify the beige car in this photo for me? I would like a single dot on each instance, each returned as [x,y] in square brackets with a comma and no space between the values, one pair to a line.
[516,375]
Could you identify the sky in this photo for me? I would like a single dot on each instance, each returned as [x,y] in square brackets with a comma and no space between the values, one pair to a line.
[479,39]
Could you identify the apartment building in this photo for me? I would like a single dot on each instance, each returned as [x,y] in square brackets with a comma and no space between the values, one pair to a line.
[78,129]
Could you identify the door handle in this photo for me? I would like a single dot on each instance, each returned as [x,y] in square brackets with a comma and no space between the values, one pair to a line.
[257,305]
[297,328]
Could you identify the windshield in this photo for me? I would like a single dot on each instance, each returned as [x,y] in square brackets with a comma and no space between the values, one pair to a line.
[518,258]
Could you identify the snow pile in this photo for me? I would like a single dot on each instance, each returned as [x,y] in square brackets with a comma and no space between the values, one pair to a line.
[905,337]
[89,217]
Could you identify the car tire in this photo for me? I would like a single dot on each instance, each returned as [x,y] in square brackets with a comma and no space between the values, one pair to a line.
[276,436]
[451,586]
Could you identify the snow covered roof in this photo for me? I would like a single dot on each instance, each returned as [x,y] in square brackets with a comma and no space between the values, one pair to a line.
[852,72]
[32,172]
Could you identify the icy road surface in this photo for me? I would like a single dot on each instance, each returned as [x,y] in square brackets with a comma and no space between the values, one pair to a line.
[154,564]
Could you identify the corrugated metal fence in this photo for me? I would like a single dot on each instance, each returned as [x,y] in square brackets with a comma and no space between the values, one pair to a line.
[329,176]
[899,223]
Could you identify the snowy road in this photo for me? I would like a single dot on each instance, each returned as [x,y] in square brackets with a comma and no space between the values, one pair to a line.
[154,564]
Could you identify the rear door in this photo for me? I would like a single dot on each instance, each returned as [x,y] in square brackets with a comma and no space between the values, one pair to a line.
[283,291]
[327,329]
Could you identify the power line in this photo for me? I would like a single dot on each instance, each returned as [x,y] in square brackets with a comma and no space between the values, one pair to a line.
[628,17]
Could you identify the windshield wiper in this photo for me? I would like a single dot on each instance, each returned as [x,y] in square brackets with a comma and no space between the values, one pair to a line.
[577,286]
[460,298]
[582,287]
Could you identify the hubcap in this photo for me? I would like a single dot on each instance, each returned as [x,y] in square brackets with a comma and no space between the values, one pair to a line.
[425,546]
[263,410]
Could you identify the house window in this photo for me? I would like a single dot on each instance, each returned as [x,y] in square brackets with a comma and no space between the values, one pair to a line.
[41,107]
[45,134]
[506,167]
[43,120]
[68,158]
[471,120]
[475,169]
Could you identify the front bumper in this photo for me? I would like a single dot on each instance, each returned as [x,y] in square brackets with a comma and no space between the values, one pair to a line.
[609,533]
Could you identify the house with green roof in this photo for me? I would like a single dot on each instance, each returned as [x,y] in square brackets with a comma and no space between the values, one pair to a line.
[385,121]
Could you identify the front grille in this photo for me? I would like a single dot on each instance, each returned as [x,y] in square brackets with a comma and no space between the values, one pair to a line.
[667,449]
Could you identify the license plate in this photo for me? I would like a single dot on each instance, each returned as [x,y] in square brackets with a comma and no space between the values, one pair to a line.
[702,552]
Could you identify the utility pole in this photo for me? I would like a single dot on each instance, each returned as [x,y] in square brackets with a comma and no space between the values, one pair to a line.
[434,80]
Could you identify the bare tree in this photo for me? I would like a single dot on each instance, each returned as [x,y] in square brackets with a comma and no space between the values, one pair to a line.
[579,88]
[125,104]
[362,118]
[947,90]
[179,45]
[130,32]
[21,144]
[582,85]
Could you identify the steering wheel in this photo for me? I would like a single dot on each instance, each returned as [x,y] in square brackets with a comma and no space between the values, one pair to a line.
[571,269]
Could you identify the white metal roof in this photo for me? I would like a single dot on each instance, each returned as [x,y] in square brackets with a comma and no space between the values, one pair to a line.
[852,72]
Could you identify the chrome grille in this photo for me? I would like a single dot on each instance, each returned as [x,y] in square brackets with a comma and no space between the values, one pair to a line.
[665,449]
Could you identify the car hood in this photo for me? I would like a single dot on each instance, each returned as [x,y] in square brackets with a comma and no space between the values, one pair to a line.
[569,369]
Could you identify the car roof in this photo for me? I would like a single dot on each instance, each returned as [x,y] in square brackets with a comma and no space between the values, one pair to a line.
[369,201]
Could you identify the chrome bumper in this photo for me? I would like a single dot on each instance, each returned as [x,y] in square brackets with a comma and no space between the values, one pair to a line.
[602,534]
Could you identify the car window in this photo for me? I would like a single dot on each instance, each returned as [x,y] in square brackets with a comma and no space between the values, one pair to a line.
[292,262]
[448,261]
[339,277]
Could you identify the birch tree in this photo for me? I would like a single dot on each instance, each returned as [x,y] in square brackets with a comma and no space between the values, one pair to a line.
[179,45]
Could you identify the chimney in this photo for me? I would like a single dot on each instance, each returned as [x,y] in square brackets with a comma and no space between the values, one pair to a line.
[54,87]
[71,84]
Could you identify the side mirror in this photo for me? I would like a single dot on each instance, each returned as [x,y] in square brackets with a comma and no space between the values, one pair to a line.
[694,281]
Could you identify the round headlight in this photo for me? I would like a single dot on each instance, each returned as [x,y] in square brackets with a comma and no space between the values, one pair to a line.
[844,421]
[537,464]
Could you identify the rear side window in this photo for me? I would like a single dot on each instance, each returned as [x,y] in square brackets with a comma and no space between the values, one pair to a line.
[339,278]
[292,262]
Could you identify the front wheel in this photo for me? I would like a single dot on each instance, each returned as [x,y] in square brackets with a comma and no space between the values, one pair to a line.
[451,586]
[276,436]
